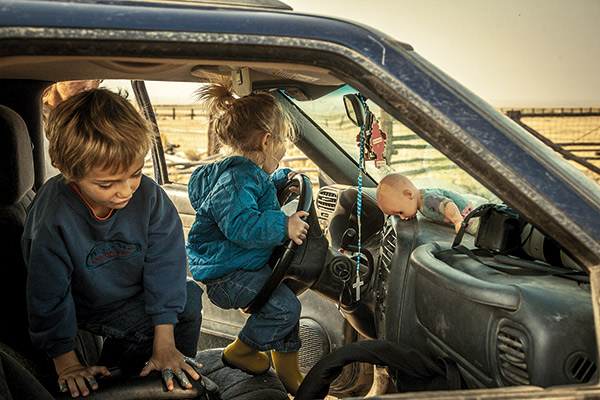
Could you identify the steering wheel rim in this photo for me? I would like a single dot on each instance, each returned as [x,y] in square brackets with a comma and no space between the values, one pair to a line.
[283,255]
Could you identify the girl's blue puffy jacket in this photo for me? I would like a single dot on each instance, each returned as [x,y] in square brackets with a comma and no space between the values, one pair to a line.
[238,218]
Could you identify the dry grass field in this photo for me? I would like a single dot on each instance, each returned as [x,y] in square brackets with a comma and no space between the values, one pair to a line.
[184,132]
[189,139]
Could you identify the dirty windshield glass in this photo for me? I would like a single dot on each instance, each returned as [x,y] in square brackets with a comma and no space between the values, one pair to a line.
[405,152]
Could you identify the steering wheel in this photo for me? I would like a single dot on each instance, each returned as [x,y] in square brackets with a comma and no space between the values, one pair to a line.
[283,255]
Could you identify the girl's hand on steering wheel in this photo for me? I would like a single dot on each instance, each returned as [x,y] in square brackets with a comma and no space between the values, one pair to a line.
[298,229]
[294,188]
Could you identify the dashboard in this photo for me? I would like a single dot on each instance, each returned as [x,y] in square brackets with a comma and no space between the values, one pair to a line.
[502,320]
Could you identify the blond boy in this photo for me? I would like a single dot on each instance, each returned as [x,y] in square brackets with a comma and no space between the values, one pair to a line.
[105,250]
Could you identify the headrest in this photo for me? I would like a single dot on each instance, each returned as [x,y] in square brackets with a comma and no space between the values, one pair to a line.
[16,158]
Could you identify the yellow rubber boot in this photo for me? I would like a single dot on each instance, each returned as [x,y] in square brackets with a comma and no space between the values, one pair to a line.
[288,370]
[239,355]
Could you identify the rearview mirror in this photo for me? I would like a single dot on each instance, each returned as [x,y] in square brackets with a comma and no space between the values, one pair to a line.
[354,109]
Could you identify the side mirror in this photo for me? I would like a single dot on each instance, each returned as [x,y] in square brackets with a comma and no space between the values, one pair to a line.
[354,109]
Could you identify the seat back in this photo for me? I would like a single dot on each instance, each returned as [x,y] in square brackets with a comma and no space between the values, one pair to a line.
[16,183]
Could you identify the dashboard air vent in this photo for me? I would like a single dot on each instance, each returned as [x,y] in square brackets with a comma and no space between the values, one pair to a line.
[511,349]
[580,368]
[388,246]
[327,200]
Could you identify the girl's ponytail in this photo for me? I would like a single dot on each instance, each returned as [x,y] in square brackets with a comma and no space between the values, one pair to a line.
[217,97]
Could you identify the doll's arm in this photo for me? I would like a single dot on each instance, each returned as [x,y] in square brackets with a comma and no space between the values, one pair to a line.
[452,212]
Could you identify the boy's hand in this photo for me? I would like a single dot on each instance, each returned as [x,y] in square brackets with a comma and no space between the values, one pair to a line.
[297,229]
[74,379]
[172,364]
[170,361]
[72,376]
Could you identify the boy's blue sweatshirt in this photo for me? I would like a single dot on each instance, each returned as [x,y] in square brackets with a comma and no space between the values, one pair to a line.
[79,266]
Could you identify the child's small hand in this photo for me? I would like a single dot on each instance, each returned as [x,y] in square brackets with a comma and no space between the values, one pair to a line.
[74,378]
[298,229]
[294,188]
[172,363]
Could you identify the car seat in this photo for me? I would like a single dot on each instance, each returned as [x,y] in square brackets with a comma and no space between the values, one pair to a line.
[16,181]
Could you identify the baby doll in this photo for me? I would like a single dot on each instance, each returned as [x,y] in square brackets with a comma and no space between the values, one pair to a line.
[397,195]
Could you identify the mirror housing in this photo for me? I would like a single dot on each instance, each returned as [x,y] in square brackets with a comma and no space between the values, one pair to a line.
[354,109]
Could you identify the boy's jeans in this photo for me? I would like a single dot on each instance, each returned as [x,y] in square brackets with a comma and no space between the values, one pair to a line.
[275,326]
[129,332]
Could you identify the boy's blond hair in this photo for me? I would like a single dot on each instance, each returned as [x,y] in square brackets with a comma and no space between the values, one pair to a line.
[96,128]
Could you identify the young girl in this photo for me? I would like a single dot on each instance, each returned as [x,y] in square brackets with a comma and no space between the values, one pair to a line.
[238,224]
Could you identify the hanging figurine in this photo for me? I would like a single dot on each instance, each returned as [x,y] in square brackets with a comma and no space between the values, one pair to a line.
[374,140]
[378,138]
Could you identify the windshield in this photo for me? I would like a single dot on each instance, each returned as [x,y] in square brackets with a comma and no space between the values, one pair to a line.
[404,152]
[184,129]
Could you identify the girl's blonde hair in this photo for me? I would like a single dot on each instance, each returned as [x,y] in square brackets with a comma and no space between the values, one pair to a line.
[241,122]
[96,128]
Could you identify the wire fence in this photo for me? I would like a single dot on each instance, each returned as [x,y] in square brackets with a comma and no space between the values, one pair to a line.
[573,132]
[178,111]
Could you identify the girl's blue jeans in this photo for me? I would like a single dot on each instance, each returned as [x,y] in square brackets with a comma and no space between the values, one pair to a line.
[129,333]
[275,326]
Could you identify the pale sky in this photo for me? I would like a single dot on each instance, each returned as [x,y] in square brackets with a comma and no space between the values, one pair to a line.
[528,53]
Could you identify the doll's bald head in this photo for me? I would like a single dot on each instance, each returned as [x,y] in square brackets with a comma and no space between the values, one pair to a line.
[397,195]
